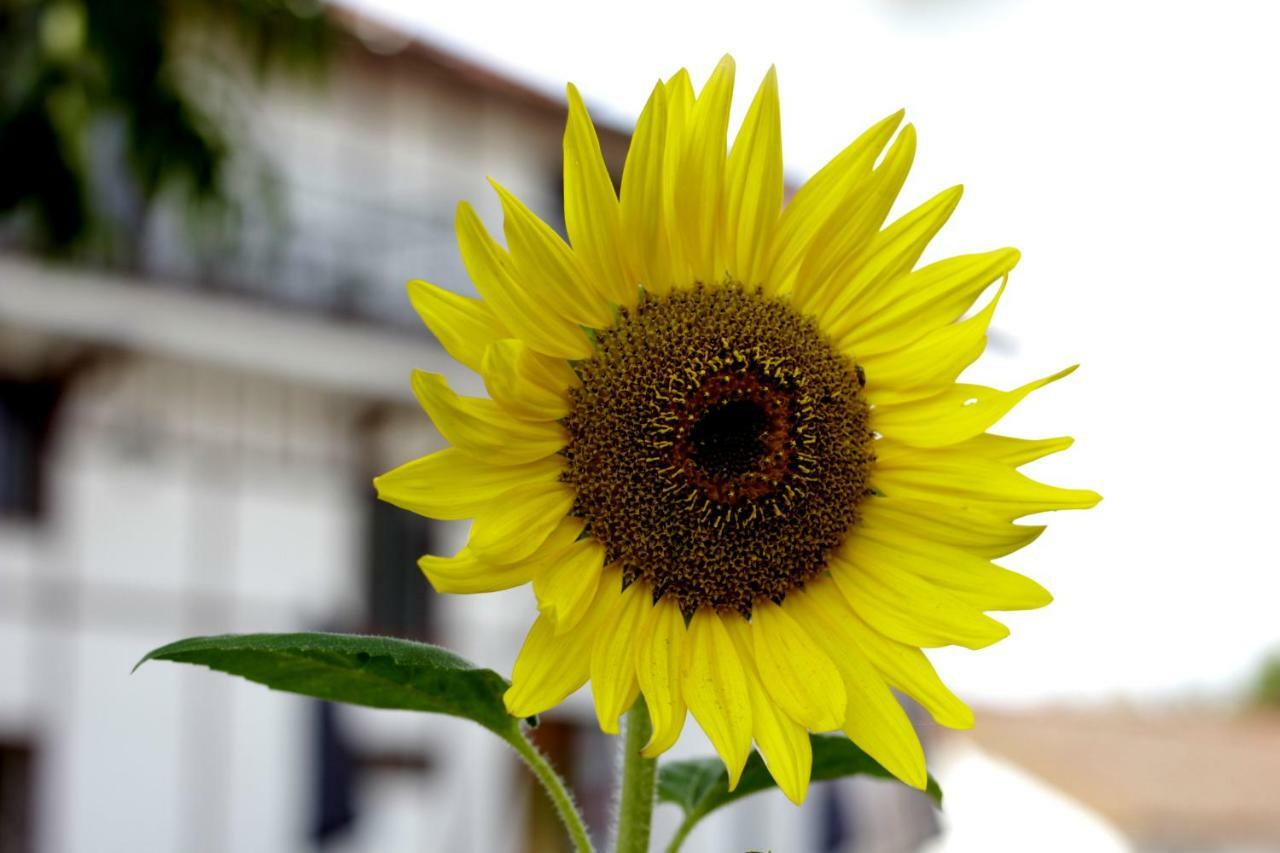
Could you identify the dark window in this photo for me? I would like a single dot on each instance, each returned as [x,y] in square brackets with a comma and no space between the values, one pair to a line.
[400,601]
[17,806]
[26,416]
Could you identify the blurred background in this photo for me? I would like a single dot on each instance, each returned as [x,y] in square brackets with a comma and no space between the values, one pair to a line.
[209,208]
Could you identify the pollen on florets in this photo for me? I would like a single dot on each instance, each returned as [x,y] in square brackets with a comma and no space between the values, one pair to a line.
[719,446]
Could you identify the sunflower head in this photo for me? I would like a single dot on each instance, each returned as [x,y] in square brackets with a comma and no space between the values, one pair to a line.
[725,440]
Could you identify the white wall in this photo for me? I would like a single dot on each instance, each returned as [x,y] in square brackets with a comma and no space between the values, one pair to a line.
[186,499]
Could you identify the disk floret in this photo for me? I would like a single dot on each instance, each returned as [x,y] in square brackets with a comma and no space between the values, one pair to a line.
[719,446]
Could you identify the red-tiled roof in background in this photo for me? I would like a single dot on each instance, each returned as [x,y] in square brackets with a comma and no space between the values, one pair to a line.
[1186,780]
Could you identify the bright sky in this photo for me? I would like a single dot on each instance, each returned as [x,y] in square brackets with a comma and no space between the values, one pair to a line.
[1130,150]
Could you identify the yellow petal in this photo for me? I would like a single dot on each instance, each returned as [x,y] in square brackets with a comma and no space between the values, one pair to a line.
[715,688]
[567,532]
[842,246]
[641,200]
[566,587]
[525,382]
[529,315]
[815,203]
[698,188]
[481,428]
[783,743]
[451,485]
[466,573]
[934,361]
[951,416]
[550,666]
[591,214]
[464,326]
[874,720]
[914,611]
[463,573]
[754,185]
[927,299]
[951,477]
[613,658]
[798,675]
[659,671]
[1013,451]
[547,268]
[890,255]
[889,552]
[679,100]
[514,527]
[903,667]
[985,534]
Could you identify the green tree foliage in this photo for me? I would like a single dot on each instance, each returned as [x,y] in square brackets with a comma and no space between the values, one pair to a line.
[1266,684]
[69,68]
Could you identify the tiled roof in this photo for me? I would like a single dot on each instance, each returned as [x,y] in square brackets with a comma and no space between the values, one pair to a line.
[1172,778]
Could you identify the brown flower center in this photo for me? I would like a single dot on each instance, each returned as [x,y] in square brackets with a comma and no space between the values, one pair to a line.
[719,446]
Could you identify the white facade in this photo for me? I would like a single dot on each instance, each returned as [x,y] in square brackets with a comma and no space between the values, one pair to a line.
[186,497]
[209,471]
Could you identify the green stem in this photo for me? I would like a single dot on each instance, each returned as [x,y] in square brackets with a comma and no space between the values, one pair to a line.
[682,832]
[556,790]
[635,812]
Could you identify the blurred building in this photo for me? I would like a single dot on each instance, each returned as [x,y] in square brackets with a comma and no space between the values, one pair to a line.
[187,438]
[1112,781]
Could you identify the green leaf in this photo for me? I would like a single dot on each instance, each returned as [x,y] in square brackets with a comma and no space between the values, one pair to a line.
[700,786]
[380,672]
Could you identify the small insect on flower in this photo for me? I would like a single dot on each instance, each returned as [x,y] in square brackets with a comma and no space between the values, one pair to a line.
[725,441]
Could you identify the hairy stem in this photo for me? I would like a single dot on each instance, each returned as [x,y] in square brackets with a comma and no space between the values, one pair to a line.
[556,790]
[635,812]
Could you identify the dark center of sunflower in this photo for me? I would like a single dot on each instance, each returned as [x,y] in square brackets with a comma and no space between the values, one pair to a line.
[728,440]
[719,446]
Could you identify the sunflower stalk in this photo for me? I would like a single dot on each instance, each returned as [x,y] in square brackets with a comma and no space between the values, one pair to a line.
[639,775]
[559,793]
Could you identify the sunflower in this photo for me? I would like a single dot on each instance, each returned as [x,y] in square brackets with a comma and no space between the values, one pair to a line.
[725,441]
